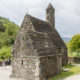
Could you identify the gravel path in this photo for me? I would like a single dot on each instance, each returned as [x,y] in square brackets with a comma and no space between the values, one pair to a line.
[5,73]
[75,77]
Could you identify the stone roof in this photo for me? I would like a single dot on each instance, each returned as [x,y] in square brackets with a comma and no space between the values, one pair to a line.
[50,6]
[34,41]
[55,37]
[43,26]
[39,25]
[43,44]
[44,39]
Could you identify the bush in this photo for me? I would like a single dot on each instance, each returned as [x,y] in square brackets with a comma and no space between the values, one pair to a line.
[5,52]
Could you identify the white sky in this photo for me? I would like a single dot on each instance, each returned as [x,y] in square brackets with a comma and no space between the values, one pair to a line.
[67,13]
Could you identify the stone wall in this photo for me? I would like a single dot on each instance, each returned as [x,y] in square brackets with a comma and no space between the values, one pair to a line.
[64,56]
[26,68]
[50,66]
[36,68]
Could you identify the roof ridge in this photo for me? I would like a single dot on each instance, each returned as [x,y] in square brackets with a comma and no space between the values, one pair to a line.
[29,16]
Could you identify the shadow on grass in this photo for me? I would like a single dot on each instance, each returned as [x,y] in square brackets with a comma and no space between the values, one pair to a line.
[64,74]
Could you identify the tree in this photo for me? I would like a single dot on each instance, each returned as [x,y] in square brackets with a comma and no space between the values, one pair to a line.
[2,28]
[5,52]
[74,43]
[8,32]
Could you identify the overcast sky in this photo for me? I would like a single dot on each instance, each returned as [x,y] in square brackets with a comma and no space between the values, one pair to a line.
[67,13]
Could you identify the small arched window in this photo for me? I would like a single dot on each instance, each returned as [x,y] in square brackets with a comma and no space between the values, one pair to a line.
[22,62]
[48,17]
[47,11]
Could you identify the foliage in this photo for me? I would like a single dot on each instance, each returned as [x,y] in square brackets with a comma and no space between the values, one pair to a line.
[2,28]
[74,54]
[74,43]
[5,52]
[8,32]
[73,70]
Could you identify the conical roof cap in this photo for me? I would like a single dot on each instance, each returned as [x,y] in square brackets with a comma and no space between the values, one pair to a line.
[50,6]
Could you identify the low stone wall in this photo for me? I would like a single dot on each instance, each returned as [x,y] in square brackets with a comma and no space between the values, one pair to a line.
[76,60]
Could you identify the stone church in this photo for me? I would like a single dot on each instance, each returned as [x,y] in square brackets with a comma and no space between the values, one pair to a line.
[38,52]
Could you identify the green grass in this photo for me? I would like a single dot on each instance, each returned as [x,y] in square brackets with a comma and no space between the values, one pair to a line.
[74,54]
[73,70]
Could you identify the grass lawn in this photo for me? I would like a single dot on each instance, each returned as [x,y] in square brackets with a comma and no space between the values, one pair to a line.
[73,70]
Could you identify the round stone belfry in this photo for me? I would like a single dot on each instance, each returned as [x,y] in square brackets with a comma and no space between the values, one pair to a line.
[50,15]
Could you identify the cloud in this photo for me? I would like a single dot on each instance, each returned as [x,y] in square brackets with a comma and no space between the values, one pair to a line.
[67,12]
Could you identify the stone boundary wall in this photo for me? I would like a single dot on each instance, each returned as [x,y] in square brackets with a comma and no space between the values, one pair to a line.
[76,60]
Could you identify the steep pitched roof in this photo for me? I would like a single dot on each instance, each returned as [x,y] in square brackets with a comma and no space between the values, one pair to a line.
[44,39]
[34,41]
[43,26]
[55,37]
[39,25]
[43,44]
